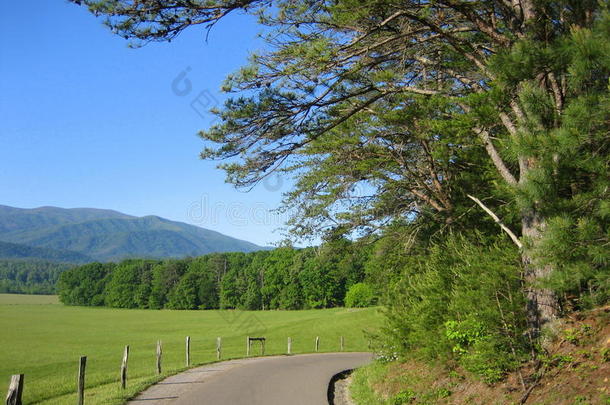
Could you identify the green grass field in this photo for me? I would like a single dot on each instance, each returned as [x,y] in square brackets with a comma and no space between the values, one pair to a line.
[44,340]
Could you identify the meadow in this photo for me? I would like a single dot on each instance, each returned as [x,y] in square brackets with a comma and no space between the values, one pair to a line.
[44,339]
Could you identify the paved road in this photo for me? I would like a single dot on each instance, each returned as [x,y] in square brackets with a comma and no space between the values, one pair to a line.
[278,380]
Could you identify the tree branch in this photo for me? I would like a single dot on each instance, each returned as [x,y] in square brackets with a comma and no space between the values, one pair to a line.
[491,149]
[497,220]
[496,158]
[484,26]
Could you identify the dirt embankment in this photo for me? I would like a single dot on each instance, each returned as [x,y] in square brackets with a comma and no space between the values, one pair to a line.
[575,371]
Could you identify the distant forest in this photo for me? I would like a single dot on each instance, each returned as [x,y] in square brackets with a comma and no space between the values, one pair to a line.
[284,278]
[30,276]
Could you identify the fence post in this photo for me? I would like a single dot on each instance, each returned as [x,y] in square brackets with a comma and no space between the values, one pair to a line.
[81,380]
[247,346]
[124,367]
[289,345]
[263,347]
[159,353]
[342,344]
[317,343]
[218,348]
[188,351]
[15,390]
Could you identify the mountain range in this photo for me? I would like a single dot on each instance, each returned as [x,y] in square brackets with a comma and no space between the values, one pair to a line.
[79,235]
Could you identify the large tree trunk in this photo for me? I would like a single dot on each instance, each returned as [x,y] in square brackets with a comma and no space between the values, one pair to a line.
[542,304]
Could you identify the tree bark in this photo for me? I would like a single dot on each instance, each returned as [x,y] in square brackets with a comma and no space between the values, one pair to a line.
[542,305]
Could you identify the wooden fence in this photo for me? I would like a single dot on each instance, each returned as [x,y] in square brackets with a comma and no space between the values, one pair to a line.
[16,385]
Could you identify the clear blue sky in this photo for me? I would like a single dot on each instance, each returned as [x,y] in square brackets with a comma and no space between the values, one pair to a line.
[87,122]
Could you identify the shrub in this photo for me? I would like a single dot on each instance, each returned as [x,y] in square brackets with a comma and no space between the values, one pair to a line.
[461,299]
[359,295]
[403,397]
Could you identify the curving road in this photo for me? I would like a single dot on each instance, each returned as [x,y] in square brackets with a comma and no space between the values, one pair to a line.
[278,380]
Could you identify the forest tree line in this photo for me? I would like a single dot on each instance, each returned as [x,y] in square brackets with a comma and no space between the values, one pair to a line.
[283,278]
[30,276]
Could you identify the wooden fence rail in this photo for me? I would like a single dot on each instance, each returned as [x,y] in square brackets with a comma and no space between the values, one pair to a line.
[81,380]
[249,341]
[218,348]
[124,367]
[188,351]
[15,390]
[159,354]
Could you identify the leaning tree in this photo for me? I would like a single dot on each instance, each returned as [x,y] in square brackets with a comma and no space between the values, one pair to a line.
[386,109]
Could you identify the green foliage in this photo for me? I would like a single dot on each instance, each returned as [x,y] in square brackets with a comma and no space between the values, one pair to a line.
[30,276]
[165,276]
[363,380]
[123,287]
[403,397]
[462,300]
[581,400]
[84,285]
[360,295]
[571,335]
[284,278]
[577,336]
[464,334]
[392,116]
[487,359]
[571,181]
[184,294]
[605,353]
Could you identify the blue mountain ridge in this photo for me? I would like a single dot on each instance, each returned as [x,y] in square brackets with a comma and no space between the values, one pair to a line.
[104,235]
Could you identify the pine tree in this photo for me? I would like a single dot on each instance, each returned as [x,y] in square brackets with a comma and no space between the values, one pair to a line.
[430,107]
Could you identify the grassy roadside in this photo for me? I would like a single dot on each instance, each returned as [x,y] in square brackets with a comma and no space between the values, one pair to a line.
[575,371]
[44,341]
[363,381]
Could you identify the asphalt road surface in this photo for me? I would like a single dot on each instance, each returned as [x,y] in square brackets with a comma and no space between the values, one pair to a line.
[278,380]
